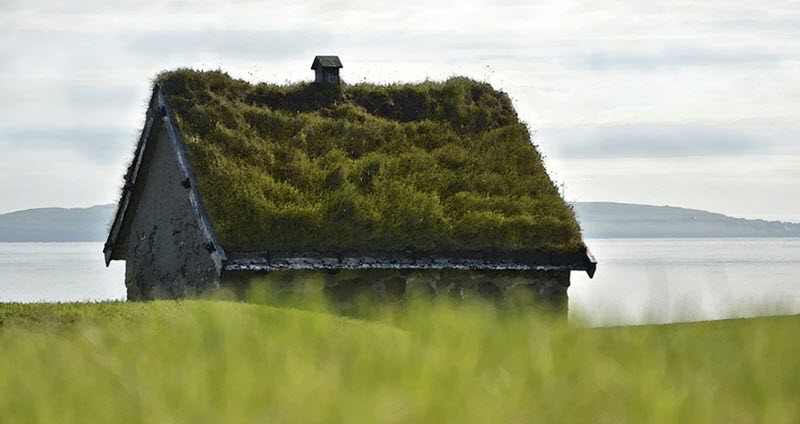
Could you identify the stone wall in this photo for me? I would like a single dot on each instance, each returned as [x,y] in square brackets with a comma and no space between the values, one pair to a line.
[167,255]
[547,289]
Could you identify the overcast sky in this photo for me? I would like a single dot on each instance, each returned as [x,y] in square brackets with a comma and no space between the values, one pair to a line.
[693,104]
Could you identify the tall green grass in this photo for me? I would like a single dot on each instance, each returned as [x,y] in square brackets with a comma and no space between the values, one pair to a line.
[203,361]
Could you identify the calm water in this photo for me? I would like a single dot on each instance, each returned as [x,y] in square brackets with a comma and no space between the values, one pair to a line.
[637,281]
[670,280]
[58,272]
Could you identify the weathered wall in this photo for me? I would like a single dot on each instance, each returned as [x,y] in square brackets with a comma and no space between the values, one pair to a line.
[167,256]
[546,289]
[326,76]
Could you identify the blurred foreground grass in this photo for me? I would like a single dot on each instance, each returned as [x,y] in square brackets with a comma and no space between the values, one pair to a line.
[214,361]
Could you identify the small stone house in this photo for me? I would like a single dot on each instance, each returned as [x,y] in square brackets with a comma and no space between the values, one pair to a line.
[432,187]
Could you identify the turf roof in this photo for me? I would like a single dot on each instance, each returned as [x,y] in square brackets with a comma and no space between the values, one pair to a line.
[429,167]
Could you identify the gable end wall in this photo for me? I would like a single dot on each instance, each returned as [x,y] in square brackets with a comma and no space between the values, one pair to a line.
[167,252]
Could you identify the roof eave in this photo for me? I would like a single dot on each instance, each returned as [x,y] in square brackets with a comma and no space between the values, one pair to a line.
[590,264]
[326,62]
[277,261]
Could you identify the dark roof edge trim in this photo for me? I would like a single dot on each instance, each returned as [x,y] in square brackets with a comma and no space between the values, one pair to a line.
[186,168]
[272,261]
[159,109]
[591,263]
[326,62]
[130,179]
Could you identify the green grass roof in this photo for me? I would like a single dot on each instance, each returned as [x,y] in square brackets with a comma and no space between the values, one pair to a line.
[429,167]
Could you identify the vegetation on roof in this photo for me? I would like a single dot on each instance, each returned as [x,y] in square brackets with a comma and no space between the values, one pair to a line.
[422,167]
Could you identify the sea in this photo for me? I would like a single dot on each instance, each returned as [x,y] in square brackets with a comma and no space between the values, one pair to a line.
[638,281]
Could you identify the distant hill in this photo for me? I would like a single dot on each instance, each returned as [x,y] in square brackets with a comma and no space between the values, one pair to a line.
[623,220]
[56,224]
[598,220]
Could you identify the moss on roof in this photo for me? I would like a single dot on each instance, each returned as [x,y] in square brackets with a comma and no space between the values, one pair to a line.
[429,167]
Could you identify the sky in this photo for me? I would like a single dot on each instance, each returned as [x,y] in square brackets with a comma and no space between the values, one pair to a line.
[681,103]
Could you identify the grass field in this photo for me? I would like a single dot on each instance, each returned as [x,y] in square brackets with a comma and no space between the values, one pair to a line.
[215,361]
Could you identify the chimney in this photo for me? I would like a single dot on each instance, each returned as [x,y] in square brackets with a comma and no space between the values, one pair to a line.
[326,69]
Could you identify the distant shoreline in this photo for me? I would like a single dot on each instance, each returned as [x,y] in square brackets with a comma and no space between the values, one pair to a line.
[624,220]
[599,220]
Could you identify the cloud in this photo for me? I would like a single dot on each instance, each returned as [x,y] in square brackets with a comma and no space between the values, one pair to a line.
[96,145]
[608,79]
[664,140]
[634,56]
[779,23]
[259,44]
[670,56]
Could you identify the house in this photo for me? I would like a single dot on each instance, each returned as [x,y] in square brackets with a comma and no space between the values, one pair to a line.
[433,186]
[326,69]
